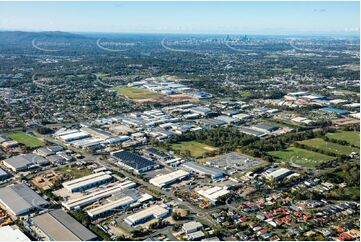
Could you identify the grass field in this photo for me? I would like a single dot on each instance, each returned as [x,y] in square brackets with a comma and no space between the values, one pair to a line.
[27,140]
[301,157]
[136,93]
[350,137]
[320,144]
[195,148]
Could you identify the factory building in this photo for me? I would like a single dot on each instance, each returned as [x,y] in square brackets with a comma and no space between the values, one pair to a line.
[24,162]
[4,175]
[86,182]
[203,170]
[213,194]
[118,201]
[73,135]
[12,233]
[19,199]
[96,196]
[278,174]
[134,162]
[155,211]
[57,225]
[168,179]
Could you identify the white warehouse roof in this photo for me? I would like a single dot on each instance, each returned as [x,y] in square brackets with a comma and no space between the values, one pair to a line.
[164,180]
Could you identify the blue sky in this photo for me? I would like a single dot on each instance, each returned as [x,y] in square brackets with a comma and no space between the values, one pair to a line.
[183,17]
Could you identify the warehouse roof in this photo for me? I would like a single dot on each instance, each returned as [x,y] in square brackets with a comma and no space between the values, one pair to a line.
[155,211]
[21,161]
[60,226]
[166,179]
[203,169]
[133,160]
[20,199]
[12,233]
[85,180]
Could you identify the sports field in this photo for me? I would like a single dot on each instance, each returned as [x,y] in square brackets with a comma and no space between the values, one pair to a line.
[136,93]
[301,157]
[27,140]
[320,144]
[350,137]
[195,148]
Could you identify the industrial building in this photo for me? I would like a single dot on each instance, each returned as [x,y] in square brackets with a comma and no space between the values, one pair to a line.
[4,175]
[133,161]
[119,201]
[278,174]
[57,225]
[213,194]
[203,170]
[168,179]
[250,131]
[265,128]
[86,182]
[97,195]
[335,110]
[155,211]
[72,135]
[12,233]
[20,199]
[24,162]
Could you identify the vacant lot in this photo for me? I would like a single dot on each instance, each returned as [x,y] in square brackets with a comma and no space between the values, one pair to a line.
[74,172]
[194,148]
[27,140]
[350,137]
[136,93]
[320,144]
[301,157]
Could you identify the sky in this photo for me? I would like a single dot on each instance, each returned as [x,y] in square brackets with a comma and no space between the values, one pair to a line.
[183,17]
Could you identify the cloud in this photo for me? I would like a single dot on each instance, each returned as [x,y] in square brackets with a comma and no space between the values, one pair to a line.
[320,10]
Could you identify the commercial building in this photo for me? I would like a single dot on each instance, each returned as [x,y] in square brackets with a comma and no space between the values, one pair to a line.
[24,162]
[86,182]
[155,211]
[203,170]
[133,161]
[20,199]
[168,179]
[12,233]
[57,225]
[213,194]
[96,196]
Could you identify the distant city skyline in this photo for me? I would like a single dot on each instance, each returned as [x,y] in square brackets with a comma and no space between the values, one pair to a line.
[183,17]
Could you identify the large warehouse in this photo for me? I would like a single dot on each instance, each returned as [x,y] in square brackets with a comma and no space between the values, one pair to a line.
[24,162]
[134,162]
[117,202]
[95,196]
[19,199]
[168,179]
[86,182]
[203,170]
[147,214]
[57,225]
